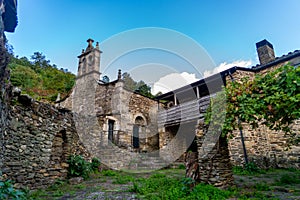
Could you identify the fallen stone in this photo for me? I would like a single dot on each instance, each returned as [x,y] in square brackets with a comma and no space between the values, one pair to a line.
[75,180]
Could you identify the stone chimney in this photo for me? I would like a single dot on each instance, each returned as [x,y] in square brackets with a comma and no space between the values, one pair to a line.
[265,52]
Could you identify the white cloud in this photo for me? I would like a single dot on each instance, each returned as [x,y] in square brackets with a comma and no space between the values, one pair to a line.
[223,66]
[176,80]
[173,81]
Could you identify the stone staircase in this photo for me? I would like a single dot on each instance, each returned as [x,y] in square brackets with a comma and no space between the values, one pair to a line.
[123,159]
[147,161]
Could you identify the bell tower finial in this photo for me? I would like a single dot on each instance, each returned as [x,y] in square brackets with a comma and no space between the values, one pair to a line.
[119,74]
[90,44]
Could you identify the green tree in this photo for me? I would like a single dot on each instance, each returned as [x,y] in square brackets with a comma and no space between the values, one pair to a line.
[144,89]
[129,83]
[40,60]
[140,87]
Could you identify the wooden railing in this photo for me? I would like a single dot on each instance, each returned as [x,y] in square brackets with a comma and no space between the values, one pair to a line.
[184,112]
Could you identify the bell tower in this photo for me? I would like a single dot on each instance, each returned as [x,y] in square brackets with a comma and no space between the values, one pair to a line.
[89,61]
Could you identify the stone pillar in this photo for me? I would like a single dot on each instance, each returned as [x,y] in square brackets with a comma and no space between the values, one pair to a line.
[212,167]
[215,169]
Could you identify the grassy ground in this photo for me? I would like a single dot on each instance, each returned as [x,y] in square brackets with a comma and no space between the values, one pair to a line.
[171,184]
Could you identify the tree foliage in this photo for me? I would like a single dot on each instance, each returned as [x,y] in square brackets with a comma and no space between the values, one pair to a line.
[40,79]
[272,99]
[139,87]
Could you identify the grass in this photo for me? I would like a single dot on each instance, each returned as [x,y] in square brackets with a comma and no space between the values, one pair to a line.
[262,187]
[171,184]
[162,186]
[248,169]
[110,173]
[288,179]
[80,186]
[123,179]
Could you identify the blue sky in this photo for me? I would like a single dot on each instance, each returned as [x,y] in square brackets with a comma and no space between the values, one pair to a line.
[227,30]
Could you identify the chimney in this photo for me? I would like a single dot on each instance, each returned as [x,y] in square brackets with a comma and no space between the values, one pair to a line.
[265,52]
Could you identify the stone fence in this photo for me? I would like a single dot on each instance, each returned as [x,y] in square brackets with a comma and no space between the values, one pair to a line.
[37,142]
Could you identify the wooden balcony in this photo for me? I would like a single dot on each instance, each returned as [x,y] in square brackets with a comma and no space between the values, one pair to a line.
[185,112]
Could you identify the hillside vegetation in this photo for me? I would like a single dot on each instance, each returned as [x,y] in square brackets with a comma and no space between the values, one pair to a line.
[38,78]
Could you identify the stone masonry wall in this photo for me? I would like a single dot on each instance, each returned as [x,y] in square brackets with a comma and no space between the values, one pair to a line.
[38,142]
[35,138]
[140,105]
[103,98]
[265,147]
[211,163]
[5,94]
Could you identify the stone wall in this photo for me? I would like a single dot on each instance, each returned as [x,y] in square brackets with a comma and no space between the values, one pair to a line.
[267,148]
[35,138]
[140,106]
[5,95]
[211,163]
[114,102]
[37,143]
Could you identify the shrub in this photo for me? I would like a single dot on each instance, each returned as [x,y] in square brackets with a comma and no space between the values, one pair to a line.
[78,167]
[248,169]
[251,168]
[95,164]
[181,166]
[7,191]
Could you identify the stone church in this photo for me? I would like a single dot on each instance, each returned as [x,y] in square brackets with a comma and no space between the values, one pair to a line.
[114,119]
[123,118]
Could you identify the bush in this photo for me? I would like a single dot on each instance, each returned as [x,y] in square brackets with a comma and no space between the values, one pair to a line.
[7,191]
[248,169]
[78,167]
[181,166]
[251,168]
[95,164]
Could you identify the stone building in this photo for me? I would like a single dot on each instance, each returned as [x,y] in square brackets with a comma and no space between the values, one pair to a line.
[115,118]
[213,156]
[265,147]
